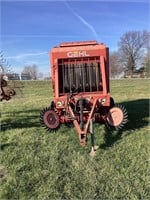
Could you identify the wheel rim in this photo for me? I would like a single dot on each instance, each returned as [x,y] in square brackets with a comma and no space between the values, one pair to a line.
[50,119]
[115,117]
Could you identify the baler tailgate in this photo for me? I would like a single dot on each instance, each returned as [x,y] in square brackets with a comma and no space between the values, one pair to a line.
[79,75]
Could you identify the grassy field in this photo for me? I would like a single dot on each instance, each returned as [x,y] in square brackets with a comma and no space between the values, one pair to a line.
[36,164]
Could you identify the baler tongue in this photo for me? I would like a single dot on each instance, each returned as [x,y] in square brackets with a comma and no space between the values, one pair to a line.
[83,129]
[94,147]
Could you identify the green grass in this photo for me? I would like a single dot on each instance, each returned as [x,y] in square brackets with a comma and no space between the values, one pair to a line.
[36,164]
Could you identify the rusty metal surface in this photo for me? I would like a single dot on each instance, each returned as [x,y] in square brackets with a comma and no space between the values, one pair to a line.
[6,92]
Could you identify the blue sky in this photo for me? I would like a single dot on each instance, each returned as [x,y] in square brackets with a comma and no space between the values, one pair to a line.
[29,29]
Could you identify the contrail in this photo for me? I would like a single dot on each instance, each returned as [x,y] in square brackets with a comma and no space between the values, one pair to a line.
[90,27]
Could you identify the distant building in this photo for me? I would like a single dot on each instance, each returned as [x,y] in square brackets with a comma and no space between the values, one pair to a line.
[138,73]
[16,76]
[12,76]
[25,76]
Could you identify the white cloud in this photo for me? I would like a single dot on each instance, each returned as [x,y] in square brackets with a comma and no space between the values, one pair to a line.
[39,58]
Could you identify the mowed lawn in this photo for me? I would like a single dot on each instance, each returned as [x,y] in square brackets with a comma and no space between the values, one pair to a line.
[36,164]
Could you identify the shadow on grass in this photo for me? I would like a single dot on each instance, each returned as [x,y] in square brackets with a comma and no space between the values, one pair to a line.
[21,119]
[5,145]
[138,113]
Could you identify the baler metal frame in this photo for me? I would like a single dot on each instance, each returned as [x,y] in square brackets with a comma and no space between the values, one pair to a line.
[81,93]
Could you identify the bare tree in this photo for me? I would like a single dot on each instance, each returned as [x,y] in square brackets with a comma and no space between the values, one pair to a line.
[5,67]
[132,47]
[146,64]
[116,70]
[146,61]
[32,71]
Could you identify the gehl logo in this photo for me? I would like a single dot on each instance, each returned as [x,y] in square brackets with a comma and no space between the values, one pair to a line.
[72,54]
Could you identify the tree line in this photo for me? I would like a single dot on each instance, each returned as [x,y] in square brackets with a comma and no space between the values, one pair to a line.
[132,56]
[130,59]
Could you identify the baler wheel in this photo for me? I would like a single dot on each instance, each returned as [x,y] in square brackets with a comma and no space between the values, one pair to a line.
[49,119]
[116,117]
